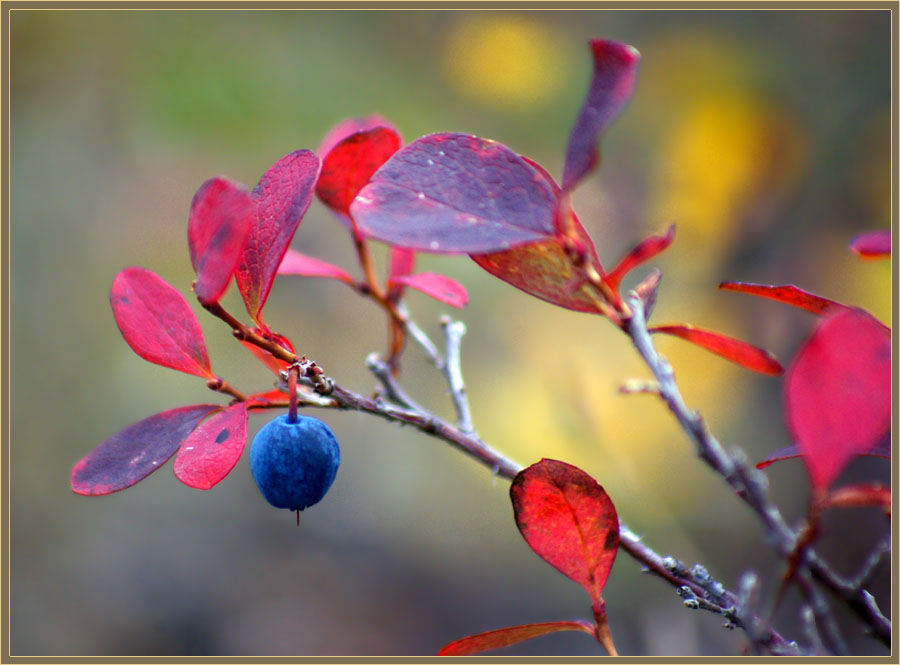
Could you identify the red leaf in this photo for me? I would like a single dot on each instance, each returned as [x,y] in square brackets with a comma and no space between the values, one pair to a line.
[351,126]
[456,193]
[439,287]
[569,521]
[265,357]
[505,637]
[401,262]
[612,84]
[545,270]
[221,214]
[136,451]
[735,350]
[860,496]
[882,449]
[349,165]
[837,395]
[297,263]
[210,452]
[263,400]
[157,322]
[643,252]
[786,293]
[873,244]
[282,197]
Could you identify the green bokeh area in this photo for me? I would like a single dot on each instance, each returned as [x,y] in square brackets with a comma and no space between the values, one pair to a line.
[764,135]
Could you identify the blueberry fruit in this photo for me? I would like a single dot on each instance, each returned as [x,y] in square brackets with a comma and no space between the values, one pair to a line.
[294,463]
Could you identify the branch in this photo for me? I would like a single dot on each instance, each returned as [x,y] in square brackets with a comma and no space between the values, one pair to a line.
[453,333]
[409,413]
[705,591]
[824,620]
[749,484]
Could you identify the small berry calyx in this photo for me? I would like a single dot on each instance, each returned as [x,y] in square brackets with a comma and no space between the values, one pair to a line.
[294,461]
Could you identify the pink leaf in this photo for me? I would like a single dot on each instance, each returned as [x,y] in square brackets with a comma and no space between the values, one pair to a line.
[349,165]
[837,396]
[735,350]
[297,263]
[786,293]
[351,126]
[612,84]
[157,322]
[136,451]
[569,521]
[456,193]
[872,245]
[401,262]
[211,451]
[439,287]
[505,637]
[643,252]
[221,215]
[282,197]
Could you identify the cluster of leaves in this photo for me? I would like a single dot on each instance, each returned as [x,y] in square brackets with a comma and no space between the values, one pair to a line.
[461,194]
[837,393]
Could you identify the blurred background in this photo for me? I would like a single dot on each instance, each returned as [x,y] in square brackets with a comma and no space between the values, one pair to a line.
[764,135]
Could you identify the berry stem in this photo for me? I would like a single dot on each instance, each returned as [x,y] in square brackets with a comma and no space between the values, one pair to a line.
[293,373]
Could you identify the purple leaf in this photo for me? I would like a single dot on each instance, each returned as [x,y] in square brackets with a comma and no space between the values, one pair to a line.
[612,84]
[456,193]
[136,451]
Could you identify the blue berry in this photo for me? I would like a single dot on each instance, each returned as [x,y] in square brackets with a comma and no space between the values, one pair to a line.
[294,463]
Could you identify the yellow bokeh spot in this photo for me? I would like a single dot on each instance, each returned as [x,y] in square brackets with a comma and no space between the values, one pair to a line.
[727,152]
[503,60]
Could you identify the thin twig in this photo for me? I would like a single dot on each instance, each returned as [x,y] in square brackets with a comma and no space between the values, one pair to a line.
[422,339]
[812,631]
[699,590]
[453,334]
[383,373]
[877,556]
[824,619]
